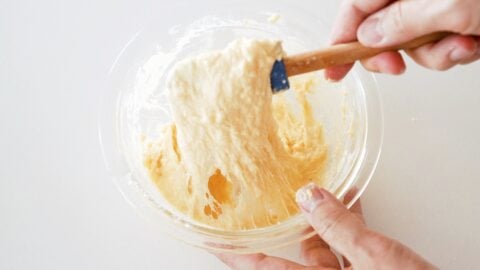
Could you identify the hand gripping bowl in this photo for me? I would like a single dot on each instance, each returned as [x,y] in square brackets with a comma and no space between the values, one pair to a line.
[134,106]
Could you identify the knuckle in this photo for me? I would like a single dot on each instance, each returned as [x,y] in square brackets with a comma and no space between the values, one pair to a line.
[461,16]
[362,7]
[433,61]
[442,67]
[440,64]
[396,18]
[331,221]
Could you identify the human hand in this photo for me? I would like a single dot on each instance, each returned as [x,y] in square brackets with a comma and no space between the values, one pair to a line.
[338,228]
[382,23]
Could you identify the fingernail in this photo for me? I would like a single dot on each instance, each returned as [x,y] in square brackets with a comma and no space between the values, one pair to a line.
[458,54]
[309,197]
[370,32]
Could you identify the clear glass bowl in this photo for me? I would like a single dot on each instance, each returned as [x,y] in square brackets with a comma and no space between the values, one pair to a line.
[134,106]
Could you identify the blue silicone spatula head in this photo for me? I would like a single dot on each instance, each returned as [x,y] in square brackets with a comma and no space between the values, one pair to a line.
[278,77]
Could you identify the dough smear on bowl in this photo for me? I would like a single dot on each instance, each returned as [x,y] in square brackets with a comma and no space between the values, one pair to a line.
[234,155]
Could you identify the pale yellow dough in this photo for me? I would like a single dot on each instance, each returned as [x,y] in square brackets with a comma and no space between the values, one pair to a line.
[235,154]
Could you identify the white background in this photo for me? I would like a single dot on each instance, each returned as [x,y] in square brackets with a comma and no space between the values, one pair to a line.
[60,210]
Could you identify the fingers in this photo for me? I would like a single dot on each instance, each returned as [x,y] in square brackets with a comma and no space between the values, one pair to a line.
[402,21]
[257,261]
[387,62]
[473,59]
[381,23]
[399,22]
[351,14]
[356,209]
[338,227]
[346,233]
[337,73]
[447,53]
[315,252]
[476,56]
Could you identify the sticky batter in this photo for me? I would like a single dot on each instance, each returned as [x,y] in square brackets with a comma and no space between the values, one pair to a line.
[235,154]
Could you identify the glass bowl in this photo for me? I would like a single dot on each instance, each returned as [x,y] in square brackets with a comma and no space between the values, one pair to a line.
[134,106]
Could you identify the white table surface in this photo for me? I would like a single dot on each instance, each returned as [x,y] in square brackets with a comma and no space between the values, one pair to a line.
[60,210]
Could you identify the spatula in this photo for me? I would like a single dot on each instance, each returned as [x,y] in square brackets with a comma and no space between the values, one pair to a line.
[334,56]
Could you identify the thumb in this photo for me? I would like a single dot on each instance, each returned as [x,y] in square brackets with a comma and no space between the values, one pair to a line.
[400,22]
[334,223]
[347,234]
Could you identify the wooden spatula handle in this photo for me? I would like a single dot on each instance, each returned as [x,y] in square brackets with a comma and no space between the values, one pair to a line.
[347,53]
